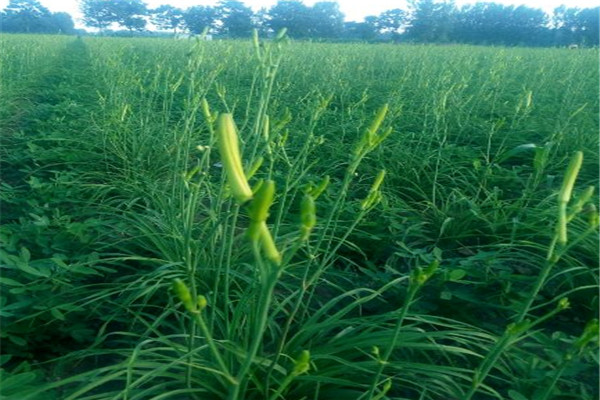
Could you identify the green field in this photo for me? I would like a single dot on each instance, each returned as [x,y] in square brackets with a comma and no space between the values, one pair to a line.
[412,232]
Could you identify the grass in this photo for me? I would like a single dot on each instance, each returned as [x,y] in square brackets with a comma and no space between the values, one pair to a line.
[399,242]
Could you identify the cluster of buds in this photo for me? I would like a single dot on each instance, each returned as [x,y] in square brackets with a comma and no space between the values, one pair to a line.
[185,296]
[371,138]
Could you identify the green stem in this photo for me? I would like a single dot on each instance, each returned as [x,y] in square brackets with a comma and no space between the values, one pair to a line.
[412,291]
[269,278]
[213,348]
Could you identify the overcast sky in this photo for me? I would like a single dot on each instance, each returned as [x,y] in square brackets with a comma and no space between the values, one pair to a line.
[354,10]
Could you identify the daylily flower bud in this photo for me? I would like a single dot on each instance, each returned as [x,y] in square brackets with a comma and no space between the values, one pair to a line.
[232,162]
[182,291]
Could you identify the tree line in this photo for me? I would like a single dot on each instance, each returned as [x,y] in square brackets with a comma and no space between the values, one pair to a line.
[424,21]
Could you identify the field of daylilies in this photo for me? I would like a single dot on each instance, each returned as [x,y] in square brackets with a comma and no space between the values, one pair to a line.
[276,219]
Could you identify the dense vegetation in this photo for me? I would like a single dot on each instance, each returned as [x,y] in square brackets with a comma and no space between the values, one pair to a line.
[411,234]
[423,21]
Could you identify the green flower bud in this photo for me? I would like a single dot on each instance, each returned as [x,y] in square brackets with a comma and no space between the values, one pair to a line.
[308,216]
[202,303]
[182,291]
[372,130]
[255,167]
[302,363]
[316,192]
[563,304]
[268,244]
[206,110]
[590,333]
[570,176]
[374,195]
[232,162]
[259,207]
[280,34]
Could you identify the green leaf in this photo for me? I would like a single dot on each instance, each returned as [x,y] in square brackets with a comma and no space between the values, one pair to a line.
[17,381]
[30,270]
[514,395]
[4,358]
[56,313]
[18,341]
[457,274]
[25,254]
[9,282]
[446,295]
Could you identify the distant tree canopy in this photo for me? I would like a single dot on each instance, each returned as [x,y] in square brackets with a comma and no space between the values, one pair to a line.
[424,21]
[29,16]
[101,14]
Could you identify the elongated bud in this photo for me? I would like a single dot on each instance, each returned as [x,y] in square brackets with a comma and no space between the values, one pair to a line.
[268,244]
[570,176]
[202,303]
[370,139]
[206,110]
[528,98]
[374,196]
[378,180]
[565,195]
[308,215]
[258,210]
[302,363]
[590,333]
[387,385]
[585,196]
[378,119]
[280,34]
[255,38]
[422,275]
[182,291]
[517,328]
[316,192]
[255,166]
[266,128]
[232,162]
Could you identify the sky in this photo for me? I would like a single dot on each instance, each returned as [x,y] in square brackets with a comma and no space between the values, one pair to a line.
[354,10]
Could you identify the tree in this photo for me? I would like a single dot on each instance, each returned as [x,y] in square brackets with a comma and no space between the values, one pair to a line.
[129,13]
[198,18]
[25,16]
[235,18]
[167,17]
[290,14]
[366,30]
[102,13]
[392,22]
[327,21]
[63,23]
[97,13]
[589,24]
[576,26]
[430,21]
[260,20]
